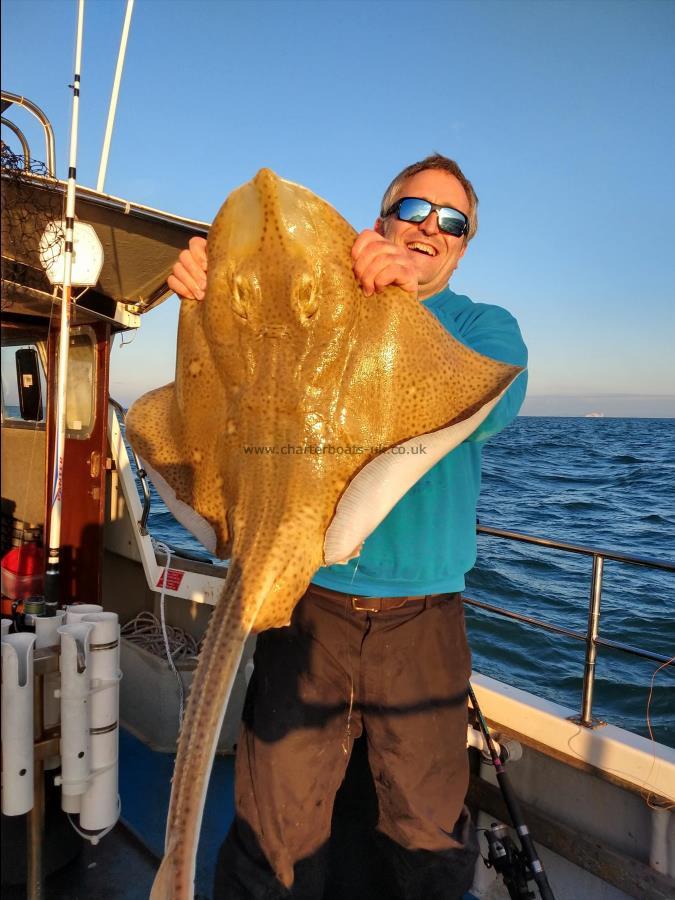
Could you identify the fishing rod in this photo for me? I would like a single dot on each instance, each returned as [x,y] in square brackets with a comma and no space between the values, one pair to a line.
[515,866]
[53,567]
[113,98]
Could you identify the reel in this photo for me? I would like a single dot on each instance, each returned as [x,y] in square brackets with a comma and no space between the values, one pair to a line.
[509,862]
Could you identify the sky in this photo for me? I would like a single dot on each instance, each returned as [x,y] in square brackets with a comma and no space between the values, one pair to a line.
[561,113]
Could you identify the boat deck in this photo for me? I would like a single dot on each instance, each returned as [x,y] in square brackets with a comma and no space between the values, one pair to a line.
[119,867]
[123,864]
[145,780]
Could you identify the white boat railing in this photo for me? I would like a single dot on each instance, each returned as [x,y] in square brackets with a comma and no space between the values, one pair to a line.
[591,636]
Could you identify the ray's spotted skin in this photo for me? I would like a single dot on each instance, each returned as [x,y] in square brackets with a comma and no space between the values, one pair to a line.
[285,351]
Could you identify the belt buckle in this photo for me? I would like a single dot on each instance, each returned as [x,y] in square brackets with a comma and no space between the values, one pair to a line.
[375,604]
[356,601]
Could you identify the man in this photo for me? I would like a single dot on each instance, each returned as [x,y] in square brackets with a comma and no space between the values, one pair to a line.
[377,646]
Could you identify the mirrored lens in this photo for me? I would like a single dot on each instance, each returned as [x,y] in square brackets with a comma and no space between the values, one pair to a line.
[451,221]
[413,210]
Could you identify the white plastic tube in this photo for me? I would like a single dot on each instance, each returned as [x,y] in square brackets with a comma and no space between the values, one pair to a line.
[99,807]
[78,611]
[47,634]
[507,749]
[75,695]
[17,723]
[47,629]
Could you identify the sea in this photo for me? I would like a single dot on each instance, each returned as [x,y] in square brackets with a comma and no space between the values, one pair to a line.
[605,483]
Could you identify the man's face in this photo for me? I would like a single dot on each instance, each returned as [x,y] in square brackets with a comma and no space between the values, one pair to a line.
[433,253]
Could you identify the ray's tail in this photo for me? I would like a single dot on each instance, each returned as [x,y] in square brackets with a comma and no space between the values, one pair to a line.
[209,696]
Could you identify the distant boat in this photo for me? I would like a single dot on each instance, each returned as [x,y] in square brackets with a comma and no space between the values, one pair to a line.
[594,415]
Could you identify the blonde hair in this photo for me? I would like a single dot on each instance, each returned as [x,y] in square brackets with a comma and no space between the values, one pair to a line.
[436,161]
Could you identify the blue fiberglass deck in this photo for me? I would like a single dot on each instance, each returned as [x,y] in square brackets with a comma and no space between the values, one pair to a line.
[145,786]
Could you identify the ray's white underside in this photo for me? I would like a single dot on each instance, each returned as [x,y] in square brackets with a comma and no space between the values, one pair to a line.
[378,487]
[185,514]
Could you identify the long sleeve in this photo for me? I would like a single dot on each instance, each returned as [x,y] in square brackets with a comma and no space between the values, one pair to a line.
[428,541]
[493,332]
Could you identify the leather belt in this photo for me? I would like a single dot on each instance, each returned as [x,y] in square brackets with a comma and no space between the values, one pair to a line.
[377,604]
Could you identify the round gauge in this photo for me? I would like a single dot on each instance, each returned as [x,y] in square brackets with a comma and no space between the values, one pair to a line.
[87,254]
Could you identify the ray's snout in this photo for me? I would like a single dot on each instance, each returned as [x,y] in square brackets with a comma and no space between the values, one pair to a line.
[266,181]
[268,253]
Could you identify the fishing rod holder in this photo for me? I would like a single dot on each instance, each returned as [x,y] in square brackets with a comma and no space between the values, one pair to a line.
[507,748]
[17,723]
[60,708]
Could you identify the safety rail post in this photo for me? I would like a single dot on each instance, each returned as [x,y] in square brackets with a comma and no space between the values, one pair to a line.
[591,647]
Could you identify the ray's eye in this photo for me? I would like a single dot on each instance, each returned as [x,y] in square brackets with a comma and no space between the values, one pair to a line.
[242,293]
[305,296]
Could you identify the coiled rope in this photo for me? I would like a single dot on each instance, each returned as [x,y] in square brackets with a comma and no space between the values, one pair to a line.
[161,639]
[145,630]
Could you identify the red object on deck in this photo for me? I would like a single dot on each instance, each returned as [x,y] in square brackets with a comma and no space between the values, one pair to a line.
[28,559]
[23,571]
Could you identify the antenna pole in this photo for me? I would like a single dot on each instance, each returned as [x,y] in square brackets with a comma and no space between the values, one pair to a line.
[52,573]
[113,97]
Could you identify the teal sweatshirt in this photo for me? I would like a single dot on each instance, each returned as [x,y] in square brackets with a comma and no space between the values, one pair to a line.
[427,543]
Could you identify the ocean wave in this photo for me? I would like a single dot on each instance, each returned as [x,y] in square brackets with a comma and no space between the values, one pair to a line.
[657,519]
[583,505]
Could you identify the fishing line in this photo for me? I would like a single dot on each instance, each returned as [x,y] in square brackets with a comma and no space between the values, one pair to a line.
[348,728]
[124,343]
[350,662]
[650,797]
[164,548]
[95,838]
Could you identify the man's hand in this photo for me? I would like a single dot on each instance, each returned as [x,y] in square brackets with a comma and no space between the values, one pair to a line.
[378,263]
[188,278]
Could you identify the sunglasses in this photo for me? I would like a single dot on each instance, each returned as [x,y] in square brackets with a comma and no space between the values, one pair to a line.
[414,209]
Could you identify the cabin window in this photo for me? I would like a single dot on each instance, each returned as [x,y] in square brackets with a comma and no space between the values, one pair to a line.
[81,393]
[24,386]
